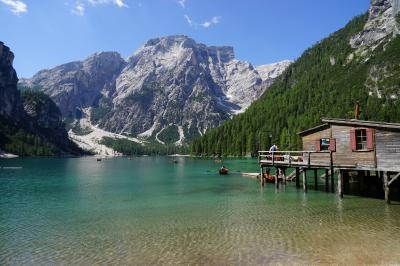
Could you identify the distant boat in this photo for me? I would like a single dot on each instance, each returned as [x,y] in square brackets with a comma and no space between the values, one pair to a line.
[223,171]
[99,159]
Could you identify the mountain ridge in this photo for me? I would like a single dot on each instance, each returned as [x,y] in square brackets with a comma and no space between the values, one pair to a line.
[171,83]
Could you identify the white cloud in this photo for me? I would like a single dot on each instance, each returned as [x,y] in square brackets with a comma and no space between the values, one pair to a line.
[213,21]
[181,2]
[119,3]
[189,20]
[79,9]
[16,6]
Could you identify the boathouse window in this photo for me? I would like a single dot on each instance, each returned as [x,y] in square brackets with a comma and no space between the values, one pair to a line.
[325,144]
[362,139]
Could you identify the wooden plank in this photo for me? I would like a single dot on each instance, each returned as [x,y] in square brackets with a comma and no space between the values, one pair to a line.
[393,179]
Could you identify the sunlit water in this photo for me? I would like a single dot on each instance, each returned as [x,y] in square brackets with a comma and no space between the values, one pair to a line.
[150,211]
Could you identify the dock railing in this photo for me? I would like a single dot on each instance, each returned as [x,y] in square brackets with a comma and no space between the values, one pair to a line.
[295,158]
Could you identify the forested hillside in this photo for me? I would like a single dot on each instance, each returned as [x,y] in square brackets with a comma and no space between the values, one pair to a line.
[326,81]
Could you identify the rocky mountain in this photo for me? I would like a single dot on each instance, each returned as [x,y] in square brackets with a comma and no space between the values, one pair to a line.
[359,63]
[79,85]
[10,103]
[31,123]
[172,89]
[270,72]
[383,23]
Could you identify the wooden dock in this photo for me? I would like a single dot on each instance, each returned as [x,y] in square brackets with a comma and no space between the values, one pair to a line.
[361,149]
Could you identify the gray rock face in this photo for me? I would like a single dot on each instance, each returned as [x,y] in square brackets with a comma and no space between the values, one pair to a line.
[40,108]
[33,113]
[10,104]
[169,81]
[382,22]
[79,85]
[270,72]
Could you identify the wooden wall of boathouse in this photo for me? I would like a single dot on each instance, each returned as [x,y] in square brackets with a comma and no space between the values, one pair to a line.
[343,155]
[387,149]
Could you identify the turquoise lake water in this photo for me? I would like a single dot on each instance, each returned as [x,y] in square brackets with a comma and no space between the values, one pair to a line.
[150,211]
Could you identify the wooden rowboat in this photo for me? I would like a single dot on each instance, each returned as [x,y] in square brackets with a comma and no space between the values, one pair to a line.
[223,171]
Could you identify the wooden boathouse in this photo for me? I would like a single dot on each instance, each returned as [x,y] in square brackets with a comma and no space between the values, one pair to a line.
[351,148]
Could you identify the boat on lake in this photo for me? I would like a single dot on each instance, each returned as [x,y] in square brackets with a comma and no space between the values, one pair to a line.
[223,170]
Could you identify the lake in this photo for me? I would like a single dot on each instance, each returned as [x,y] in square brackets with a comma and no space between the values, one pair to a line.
[151,211]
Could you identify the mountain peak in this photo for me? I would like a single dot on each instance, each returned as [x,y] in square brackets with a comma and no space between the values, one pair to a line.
[182,44]
[168,40]
[103,55]
[383,22]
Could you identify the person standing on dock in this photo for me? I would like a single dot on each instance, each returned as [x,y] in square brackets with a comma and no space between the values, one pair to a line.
[273,148]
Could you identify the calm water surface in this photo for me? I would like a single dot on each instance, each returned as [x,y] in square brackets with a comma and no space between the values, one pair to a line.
[149,211]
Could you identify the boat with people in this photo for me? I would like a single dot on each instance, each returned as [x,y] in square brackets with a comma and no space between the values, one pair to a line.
[223,170]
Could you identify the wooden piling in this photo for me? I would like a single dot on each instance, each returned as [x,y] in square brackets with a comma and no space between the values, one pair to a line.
[316,179]
[326,180]
[346,182]
[262,176]
[340,183]
[297,177]
[305,180]
[332,174]
[386,187]
[284,175]
[276,178]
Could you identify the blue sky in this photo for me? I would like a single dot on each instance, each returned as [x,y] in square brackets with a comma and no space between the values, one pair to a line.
[47,33]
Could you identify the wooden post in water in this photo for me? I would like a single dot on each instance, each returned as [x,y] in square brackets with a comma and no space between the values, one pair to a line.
[276,177]
[316,179]
[332,175]
[305,180]
[261,174]
[297,177]
[346,182]
[386,187]
[340,183]
[284,176]
[326,180]
[368,179]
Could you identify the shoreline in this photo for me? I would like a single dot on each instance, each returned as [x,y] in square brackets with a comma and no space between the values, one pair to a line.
[4,155]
